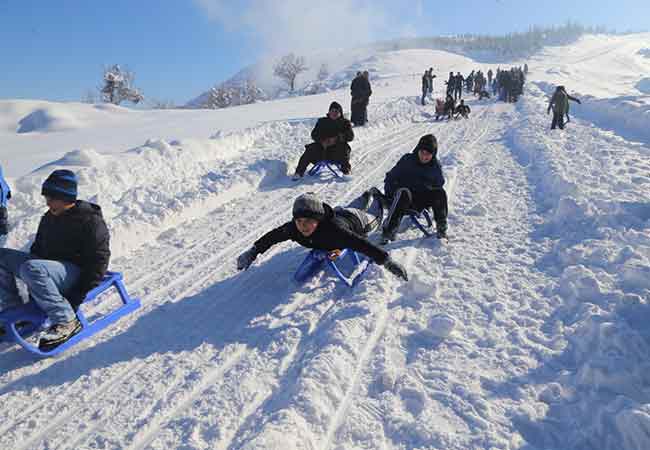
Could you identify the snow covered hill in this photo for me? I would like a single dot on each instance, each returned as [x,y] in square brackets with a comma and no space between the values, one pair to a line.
[528,330]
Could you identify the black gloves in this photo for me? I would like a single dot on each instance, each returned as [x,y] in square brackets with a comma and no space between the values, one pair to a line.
[246,259]
[396,269]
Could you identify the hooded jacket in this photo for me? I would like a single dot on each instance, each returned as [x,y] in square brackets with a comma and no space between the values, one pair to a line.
[337,231]
[559,102]
[410,173]
[80,236]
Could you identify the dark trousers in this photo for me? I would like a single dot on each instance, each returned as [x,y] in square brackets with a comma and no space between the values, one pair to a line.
[405,200]
[4,221]
[458,93]
[359,114]
[314,152]
[558,120]
[424,94]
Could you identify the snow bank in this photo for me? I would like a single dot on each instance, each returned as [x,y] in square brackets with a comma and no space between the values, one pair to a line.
[600,253]
[48,120]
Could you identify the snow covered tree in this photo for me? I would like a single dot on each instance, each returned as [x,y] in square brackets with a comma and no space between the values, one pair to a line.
[118,86]
[323,72]
[219,97]
[288,68]
[250,93]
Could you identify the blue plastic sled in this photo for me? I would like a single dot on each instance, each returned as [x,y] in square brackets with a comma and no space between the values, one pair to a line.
[316,259]
[415,218]
[33,319]
[331,165]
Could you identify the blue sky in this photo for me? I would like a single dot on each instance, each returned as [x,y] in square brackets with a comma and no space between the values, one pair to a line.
[55,49]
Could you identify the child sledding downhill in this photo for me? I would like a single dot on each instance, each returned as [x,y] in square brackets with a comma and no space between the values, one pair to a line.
[415,184]
[317,225]
[69,257]
[331,136]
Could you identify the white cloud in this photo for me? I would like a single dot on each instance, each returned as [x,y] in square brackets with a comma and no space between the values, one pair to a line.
[300,25]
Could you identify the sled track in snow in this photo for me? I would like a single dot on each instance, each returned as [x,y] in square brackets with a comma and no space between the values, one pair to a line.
[380,327]
[251,409]
[108,386]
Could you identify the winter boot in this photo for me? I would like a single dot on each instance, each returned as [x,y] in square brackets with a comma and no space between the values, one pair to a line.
[58,333]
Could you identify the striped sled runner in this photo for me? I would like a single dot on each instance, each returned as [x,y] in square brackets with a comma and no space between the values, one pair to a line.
[316,261]
[32,319]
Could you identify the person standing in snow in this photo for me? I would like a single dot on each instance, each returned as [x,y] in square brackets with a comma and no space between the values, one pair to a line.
[431,77]
[317,225]
[458,86]
[559,103]
[415,183]
[489,75]
[5,194]
[331,136]
[68,258]
[356,103]
[425,87]
[366,93]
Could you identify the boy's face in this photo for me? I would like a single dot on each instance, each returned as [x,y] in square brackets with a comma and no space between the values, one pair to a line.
[306,226]
[57,206]
[424,156]
[334,114]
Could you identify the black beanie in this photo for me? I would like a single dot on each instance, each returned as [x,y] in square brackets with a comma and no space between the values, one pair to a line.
[310,206]
[428,143]
[337,106]
[61,185]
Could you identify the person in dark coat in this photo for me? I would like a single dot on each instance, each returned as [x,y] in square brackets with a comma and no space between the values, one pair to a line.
[458,86]
[450,107]
[451,84]
[425,86]
[416,183]
[360,90]
[331,136]
[559,103]
[5,194]
[463,110]
[431,77]
[68,258]
[317,225]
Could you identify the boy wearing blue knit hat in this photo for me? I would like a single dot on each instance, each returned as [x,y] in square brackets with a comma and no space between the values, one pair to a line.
[68,258]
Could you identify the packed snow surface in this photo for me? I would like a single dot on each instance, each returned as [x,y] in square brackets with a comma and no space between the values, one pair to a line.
[527,330]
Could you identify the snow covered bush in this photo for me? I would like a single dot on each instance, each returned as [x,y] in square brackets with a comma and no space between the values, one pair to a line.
[118,86]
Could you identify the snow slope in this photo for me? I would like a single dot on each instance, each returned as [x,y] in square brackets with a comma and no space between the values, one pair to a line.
[526,331]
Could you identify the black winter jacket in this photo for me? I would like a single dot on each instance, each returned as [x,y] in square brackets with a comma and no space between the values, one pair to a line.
[80,236]
[410,173]
[326,128]
[335,232]
[360,88]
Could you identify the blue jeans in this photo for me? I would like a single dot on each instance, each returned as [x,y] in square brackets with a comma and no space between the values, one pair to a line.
[47,282]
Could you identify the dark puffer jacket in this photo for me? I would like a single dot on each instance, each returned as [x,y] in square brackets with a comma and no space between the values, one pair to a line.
[327,128]
[335,232]
[410,173]
[80,236]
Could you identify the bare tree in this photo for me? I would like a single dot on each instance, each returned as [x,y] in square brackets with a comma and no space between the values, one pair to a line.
[288,68]
[118,86]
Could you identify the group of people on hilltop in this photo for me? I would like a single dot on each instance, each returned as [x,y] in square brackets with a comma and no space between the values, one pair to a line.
[360,91]
[509,84]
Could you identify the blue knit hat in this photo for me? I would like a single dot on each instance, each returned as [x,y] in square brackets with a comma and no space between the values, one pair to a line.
[61,185]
